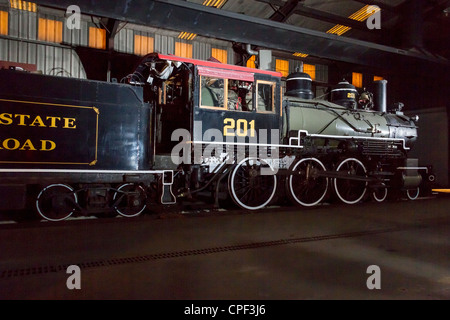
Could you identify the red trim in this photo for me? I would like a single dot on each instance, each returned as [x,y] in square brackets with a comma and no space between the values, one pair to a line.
[228,74]
[219,65]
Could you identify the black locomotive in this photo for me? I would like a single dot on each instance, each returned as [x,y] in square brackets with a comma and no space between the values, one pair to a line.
[178,128]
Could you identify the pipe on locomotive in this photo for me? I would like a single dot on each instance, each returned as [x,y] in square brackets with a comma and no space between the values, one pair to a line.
[380,95]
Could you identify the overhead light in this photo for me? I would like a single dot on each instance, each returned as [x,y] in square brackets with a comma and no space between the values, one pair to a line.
[187,36]
[23,5]
[300,55]
[208,3]
[339,29]
[364,13]
[214,3]
[360,15]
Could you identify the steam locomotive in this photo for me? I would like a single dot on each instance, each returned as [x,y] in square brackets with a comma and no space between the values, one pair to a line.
[178,129]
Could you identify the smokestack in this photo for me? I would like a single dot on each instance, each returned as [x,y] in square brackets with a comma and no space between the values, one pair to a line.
[380,95]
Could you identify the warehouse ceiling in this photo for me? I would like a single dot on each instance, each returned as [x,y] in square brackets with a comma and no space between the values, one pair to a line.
[411,34]
[422,25]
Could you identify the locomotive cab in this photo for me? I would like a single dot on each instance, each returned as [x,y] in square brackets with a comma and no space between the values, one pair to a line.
[168,88]
[214,102]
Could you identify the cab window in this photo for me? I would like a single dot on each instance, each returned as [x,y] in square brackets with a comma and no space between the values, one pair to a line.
[265,96]
[240,95]
[212,92]
[229,94]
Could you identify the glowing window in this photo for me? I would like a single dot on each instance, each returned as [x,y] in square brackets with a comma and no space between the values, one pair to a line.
[251,62]
[377,78]
[282,66]
[143,45]
[97,38]
[311,70]
[219,54]
[23,5]
[183,50]
[3,22]
[357,79]
[50,30]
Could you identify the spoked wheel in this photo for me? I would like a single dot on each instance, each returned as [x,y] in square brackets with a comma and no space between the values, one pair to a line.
[413,194]
[130,200]
[56,202]
[380,194]
[306,187]
[351,191]
[250,188]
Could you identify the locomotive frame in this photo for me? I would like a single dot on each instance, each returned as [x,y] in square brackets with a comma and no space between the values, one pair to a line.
[109,147]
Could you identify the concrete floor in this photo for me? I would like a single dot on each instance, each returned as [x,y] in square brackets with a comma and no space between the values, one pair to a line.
[278,254]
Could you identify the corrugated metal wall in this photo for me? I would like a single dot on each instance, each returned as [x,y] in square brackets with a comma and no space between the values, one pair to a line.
[77,37]
[164,42]
[48,58]
[22,43]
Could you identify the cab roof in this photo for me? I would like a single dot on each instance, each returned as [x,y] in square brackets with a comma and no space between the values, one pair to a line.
[219,65]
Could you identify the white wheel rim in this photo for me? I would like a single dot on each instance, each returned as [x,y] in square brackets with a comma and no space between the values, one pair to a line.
[375,197]
[291,184]
[45,189]
[233,192]
[124,214]
[414,196]
[335,182]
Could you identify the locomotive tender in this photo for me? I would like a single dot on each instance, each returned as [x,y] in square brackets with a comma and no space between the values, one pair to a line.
[176,128]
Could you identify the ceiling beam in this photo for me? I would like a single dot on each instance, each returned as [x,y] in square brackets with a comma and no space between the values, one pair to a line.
[285,11]
[382,5]
[309,12]
[329,17]
[436,10]
[214,23]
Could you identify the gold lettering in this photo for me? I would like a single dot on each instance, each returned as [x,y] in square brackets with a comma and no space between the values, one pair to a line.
[69,123]
[28,145]
[22,118]
[6,144]
[38,119]
[6,117]
[53,121]
[44,146]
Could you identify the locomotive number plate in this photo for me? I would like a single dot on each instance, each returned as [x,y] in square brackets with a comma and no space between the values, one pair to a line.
[240,128]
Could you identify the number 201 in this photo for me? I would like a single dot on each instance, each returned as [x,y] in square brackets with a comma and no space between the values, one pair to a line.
[238,128]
